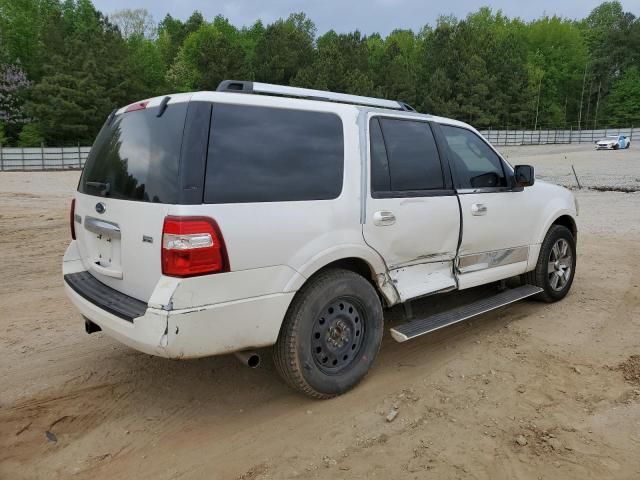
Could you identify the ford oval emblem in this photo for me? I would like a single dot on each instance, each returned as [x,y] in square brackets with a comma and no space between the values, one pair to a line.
[101,207]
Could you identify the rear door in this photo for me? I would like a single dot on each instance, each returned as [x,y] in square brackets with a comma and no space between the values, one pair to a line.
[412,213]
[129,182]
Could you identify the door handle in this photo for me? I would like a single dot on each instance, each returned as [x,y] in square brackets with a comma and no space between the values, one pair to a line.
[478,209]
[384,218]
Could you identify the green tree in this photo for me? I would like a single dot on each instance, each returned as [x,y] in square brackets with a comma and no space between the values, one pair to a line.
[623,103]
[84,78]
[30,136]
[209,55]
[145,67]
[286,47]
[340,64]
[134,23]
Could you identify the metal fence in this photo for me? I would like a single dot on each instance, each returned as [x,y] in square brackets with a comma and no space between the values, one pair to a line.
[549,136]
[70,158]
[43,158]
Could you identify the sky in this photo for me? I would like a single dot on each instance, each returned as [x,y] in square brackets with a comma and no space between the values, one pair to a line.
[368,16]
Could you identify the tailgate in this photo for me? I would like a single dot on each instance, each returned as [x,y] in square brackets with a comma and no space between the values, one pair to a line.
[128,184]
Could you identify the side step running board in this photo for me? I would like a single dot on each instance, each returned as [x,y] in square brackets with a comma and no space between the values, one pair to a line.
[421,326]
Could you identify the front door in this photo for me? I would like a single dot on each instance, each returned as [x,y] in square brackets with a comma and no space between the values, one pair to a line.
[412,214]
[496,224]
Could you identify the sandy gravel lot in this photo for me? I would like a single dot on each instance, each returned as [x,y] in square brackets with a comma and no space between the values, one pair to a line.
[562,379]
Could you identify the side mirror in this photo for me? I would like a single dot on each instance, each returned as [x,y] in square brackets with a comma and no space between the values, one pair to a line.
[524,175]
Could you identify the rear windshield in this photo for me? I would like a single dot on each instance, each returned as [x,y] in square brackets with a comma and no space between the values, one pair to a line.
[136,156]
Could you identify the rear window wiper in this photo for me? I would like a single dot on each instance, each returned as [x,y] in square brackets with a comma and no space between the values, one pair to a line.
[111,116]
[104,186]
[163,106]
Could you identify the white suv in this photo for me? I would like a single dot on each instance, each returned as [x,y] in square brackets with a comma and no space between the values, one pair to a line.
[257,215]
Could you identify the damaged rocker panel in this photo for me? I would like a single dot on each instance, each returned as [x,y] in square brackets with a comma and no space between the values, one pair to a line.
[495,258]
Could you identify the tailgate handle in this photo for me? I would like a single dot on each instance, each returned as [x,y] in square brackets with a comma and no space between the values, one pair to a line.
[102,227]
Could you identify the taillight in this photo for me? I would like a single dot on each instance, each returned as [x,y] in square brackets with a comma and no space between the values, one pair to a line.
[72,223]
[192,246]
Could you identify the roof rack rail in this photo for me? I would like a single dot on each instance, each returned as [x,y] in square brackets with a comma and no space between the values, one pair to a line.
[243,86]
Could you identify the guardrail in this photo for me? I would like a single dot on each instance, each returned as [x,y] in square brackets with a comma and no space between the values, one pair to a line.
[542,137]
[42,158]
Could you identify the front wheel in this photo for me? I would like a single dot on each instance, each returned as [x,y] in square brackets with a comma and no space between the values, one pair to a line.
[331,334]
[556,265]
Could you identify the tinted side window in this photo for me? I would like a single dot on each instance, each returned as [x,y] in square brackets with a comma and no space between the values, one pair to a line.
[380,178]
[413,158]
[260,154]
[476,165]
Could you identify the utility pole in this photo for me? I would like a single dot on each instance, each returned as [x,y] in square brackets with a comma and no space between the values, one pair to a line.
[586,119]
[584,81]
[535,125]
[595,117]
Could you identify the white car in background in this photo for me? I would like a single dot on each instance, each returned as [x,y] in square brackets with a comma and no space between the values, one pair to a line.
[613,142]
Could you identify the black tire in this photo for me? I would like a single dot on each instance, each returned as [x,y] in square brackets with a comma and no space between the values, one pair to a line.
[541,276]
[338,312]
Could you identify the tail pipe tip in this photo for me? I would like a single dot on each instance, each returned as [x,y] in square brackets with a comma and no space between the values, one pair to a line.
[249,359]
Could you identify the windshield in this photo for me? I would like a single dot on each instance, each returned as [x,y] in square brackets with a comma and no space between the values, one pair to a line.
[136,156]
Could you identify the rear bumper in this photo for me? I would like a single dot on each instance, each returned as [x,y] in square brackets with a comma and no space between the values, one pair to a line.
[182,333]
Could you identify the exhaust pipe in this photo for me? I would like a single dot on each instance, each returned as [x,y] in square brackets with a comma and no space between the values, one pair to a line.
[248,358]
[91,327]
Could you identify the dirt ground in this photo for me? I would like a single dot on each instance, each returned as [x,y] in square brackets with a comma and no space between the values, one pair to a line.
[532,391]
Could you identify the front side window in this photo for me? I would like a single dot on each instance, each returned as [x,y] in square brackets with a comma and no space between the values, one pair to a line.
[404,157]
[476,165]
[263,154]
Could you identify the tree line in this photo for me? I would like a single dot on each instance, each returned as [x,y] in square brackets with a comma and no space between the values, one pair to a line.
[64,65]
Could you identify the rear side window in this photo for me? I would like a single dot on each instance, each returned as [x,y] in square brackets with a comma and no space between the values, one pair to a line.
[136,156]
[261,154]
[404,156]
[380,178]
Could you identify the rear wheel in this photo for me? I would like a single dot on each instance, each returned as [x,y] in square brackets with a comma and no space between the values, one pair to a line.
[556,265]
[331,334]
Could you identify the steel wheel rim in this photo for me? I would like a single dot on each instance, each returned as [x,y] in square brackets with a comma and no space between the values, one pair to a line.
[337,335]
[560,265]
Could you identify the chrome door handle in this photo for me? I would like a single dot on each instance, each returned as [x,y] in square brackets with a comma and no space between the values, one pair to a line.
[384,218]
[478,209]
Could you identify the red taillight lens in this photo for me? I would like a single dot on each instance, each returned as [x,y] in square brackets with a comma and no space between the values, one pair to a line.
[72,215]
[192,246]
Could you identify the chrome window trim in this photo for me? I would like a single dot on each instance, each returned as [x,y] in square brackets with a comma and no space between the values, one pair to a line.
[467,191]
